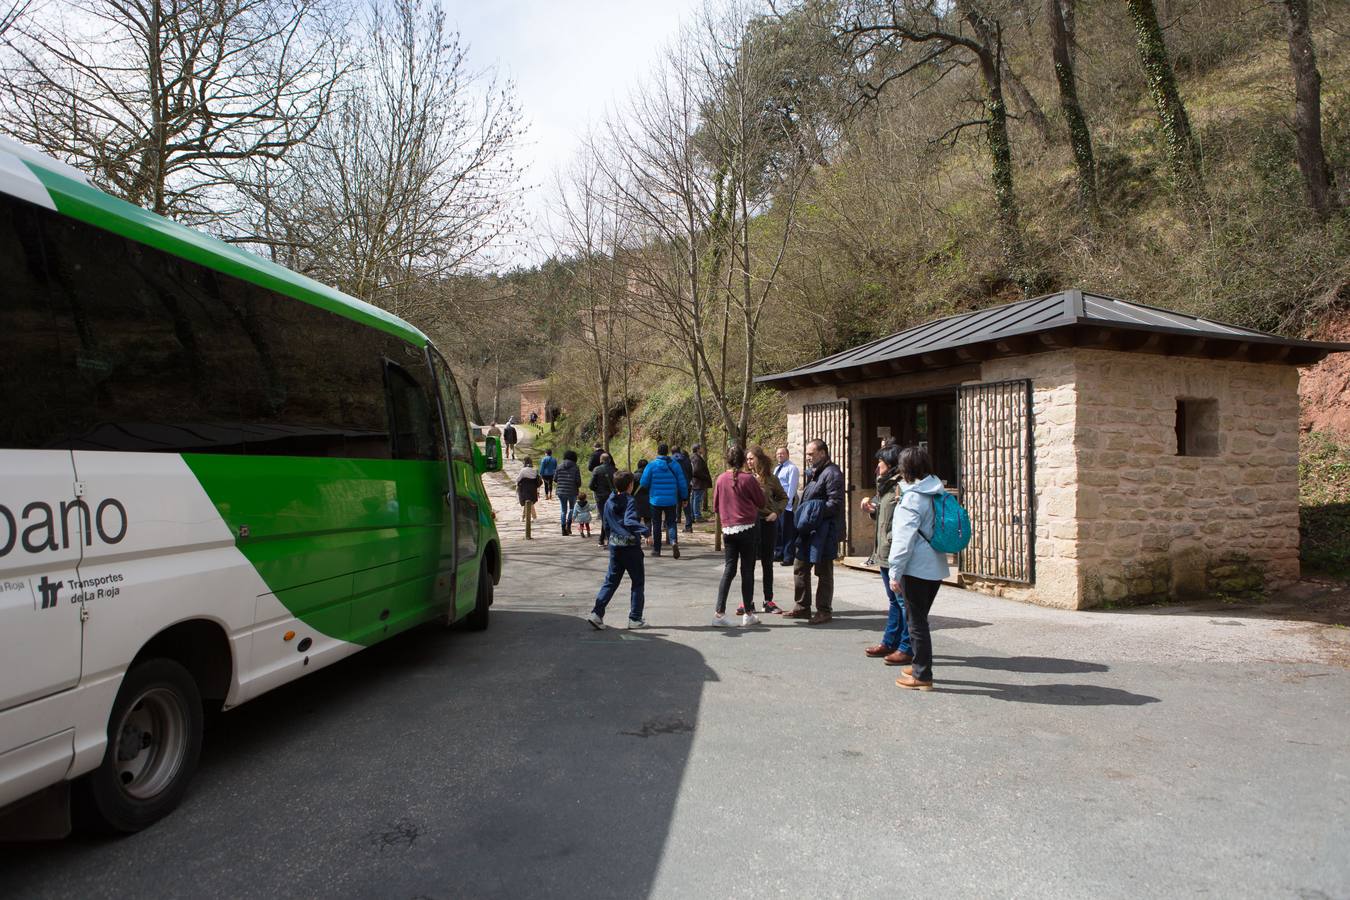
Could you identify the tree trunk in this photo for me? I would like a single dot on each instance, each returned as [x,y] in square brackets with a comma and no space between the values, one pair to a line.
[1080,138]
[1182,154]
[1031,110]
[473,400]
[1312,160]
[497,390]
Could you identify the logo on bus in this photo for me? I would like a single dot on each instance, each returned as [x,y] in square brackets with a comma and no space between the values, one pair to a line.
[42,527]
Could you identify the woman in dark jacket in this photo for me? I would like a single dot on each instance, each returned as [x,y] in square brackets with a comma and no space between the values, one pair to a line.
[567,481]
[894,647]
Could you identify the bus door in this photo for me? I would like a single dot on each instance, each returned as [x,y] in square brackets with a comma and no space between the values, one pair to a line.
[460,540]
[44,526]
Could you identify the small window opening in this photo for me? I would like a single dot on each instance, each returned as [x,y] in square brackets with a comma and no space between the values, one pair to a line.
[1197,427]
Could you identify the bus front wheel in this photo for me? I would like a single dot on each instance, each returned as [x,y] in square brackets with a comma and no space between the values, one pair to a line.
[154,741]
[478,619]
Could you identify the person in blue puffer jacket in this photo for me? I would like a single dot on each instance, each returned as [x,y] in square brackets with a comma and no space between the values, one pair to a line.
[666,488]
[915,568]
[547,467]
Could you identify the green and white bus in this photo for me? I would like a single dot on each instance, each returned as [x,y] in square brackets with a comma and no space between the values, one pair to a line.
[216,475]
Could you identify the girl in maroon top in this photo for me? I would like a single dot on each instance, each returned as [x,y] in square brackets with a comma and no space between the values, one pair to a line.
[737,499]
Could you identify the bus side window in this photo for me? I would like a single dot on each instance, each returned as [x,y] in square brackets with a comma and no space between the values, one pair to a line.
[457,428]
[410,415]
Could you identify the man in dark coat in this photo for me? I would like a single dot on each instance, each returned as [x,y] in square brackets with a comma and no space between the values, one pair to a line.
[594,461]
[686,511]
[700,482]
[824,482]
[601,486]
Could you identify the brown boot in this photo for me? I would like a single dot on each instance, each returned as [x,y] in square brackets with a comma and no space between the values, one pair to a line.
[878,650]
[820,618]
[798,614]
[898,658]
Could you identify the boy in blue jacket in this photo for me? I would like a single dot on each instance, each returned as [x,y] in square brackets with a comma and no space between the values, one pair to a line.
[626,531]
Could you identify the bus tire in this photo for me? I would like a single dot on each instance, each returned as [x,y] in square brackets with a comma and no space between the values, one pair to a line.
[154,742]
[478,619]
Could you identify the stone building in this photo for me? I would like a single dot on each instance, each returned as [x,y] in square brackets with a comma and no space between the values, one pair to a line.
[1107,451]
[534,399]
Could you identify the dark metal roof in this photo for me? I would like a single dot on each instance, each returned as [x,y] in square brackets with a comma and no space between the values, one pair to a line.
[1066,319]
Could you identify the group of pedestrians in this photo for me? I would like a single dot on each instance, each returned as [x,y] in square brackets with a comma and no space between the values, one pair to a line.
[770,512]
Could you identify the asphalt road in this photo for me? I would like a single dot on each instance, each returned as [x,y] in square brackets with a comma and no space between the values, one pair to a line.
[1064,755]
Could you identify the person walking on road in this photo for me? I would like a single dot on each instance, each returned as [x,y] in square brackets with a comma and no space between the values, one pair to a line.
[596,452]
[759,465]
[700,482]
[788,477]
[569,485]
[894,648]
[667,487]
[685,511]
[527,490]
[548,466]
[817,542]
[916,569]
[625,554]
[510,438]
[581,516]
[602,485]
[737,500]
[641,496]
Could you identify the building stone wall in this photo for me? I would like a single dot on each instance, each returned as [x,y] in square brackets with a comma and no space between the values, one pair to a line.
[533,399]
[1153,525]
[1119,516]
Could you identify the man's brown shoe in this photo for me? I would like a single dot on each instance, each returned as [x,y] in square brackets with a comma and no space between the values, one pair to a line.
[909,682]
[797,614]
[878,650]
[898,658]
[819,618]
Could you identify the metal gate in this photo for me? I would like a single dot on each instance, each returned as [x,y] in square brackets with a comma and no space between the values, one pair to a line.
[829,423]
[996,479]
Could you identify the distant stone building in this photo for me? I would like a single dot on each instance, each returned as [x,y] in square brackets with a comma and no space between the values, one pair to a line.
[534,399]
[1107,451]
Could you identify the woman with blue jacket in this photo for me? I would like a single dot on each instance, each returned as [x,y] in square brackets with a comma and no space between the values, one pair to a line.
[915,568]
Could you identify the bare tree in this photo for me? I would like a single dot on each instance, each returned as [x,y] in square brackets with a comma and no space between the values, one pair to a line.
[1080,137]
[588,236]
[1183,154]
[1312,160]
[160,101]
[11,12]
[879,34]
[413,177]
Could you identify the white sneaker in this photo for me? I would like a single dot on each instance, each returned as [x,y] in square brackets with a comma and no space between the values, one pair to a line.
[637,623]
[596,622]
[749,619]
[720,620]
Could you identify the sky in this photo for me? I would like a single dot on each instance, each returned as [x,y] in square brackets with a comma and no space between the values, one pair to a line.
[570,60]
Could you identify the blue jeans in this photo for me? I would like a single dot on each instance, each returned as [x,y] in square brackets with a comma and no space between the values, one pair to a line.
[896,635]
[671,514]
[621,560]
[566,503]
[696,503]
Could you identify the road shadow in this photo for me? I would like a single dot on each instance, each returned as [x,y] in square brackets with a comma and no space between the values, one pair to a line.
[536,757]
[1052,694]
[875,620]
[1047,665]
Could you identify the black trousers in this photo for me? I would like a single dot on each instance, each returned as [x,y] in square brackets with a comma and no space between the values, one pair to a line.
[768,538]
[919,595]
[739,549]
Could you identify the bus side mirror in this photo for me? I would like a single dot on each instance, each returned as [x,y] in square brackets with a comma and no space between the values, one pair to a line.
[492,454]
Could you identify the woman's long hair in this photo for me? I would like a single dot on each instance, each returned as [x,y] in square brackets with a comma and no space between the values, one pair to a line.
[763,466]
